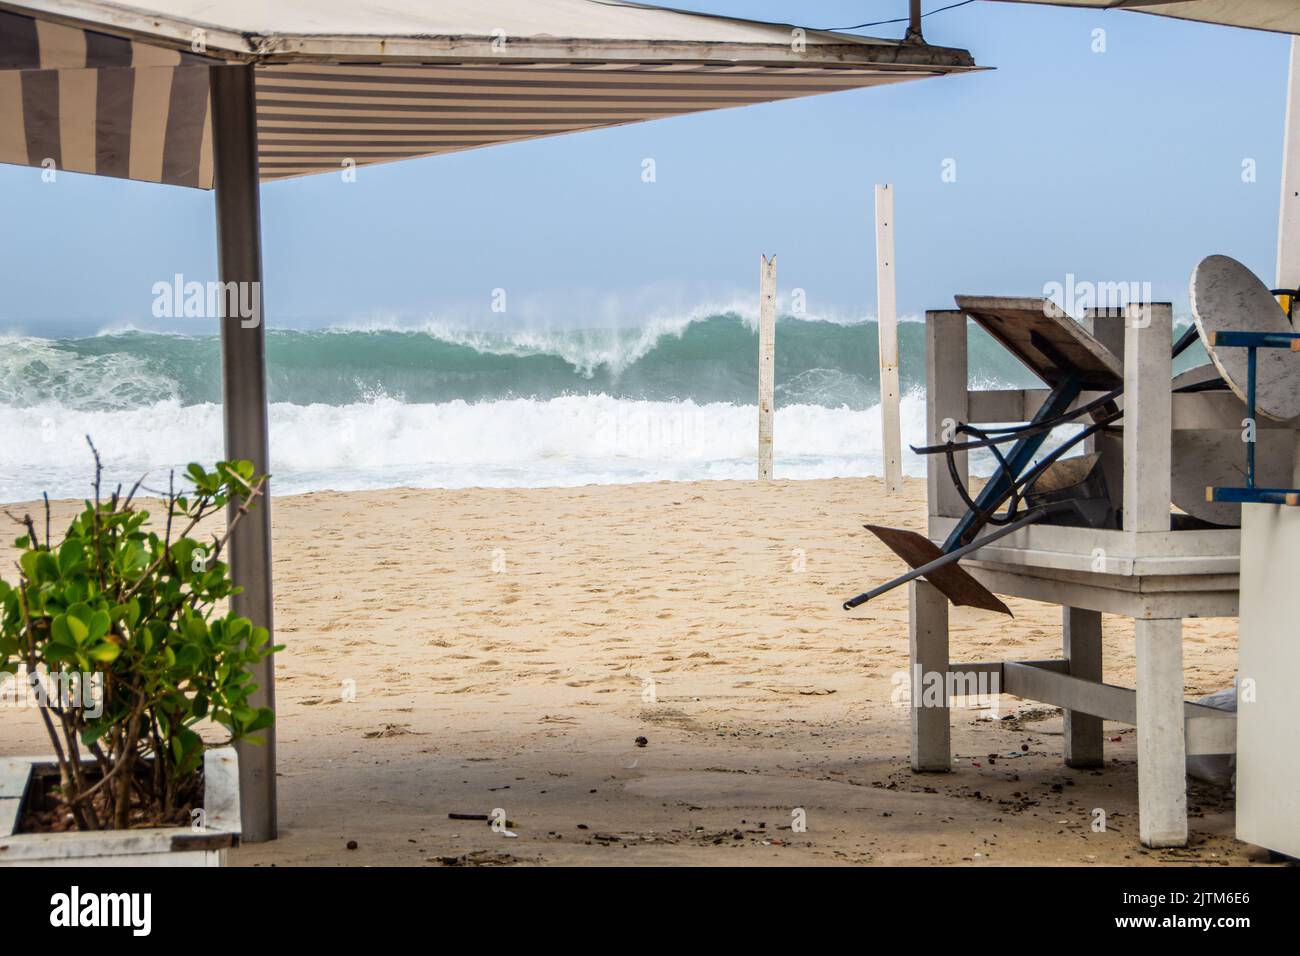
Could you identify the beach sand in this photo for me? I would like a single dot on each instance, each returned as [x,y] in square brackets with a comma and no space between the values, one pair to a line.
[508,647]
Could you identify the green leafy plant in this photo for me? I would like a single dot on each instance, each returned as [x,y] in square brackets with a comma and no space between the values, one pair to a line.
[132,611]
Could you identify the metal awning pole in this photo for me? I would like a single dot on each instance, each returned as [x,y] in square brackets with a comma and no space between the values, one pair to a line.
[243,394]
[914,22]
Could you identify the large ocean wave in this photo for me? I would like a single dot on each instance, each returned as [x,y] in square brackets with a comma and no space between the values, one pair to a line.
[709,359]
[435,406]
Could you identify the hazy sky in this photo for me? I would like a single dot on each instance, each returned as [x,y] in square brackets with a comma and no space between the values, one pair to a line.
[1117,166]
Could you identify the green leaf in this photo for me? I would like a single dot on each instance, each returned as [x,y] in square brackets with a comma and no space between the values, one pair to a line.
[78,628]
[28,565]
[47,568]
[189,657]
[265,718]
[106,652]
[71,554]
[100,622]
[59,632]
[57,654]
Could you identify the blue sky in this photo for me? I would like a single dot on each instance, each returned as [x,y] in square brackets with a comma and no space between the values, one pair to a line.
[1116,166]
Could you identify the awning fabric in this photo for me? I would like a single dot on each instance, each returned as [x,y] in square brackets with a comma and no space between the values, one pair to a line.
[121,89]
[1278,16]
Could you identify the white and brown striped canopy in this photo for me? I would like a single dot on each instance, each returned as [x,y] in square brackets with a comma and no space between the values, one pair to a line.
[121,89]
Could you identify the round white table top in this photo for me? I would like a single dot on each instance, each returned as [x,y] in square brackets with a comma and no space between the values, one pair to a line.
[1228,297]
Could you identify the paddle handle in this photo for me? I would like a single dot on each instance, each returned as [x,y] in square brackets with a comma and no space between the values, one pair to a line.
[956,554]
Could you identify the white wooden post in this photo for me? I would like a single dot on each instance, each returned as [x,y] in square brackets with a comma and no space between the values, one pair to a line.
[1148,370]
[946,385]
[927,632]
[1288,219]
[887,332]
[1081,643]
[1161,746]
[766,362]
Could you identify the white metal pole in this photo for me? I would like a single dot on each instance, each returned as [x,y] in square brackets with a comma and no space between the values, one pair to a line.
[766,362]
[887,333]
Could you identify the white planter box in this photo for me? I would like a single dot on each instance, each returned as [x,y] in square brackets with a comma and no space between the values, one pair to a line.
[161,846]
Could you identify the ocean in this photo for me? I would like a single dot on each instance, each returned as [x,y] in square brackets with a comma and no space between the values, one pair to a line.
[360,407]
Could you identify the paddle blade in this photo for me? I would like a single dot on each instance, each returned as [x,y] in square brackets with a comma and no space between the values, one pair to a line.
[952,580]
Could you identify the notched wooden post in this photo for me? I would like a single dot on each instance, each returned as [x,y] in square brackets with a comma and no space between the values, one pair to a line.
[887,334]
[766,362]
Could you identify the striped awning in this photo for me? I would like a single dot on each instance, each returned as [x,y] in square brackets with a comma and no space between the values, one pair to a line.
[121,89]
[98,103]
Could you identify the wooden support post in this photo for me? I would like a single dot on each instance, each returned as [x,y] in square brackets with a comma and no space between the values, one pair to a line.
[946,385]
[1161,744]
[243,393]
[1081,642]
[887,333]
[1148,370]
[766,362]
[927,634]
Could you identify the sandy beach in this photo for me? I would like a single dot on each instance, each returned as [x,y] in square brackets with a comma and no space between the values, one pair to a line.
[507,649]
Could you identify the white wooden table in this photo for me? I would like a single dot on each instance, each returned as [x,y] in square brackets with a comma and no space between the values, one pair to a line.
[1144,571]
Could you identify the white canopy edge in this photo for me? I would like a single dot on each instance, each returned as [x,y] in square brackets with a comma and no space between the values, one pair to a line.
[332,31]
[1275,16]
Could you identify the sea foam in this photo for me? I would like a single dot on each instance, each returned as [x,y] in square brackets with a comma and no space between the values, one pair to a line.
[382,443]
